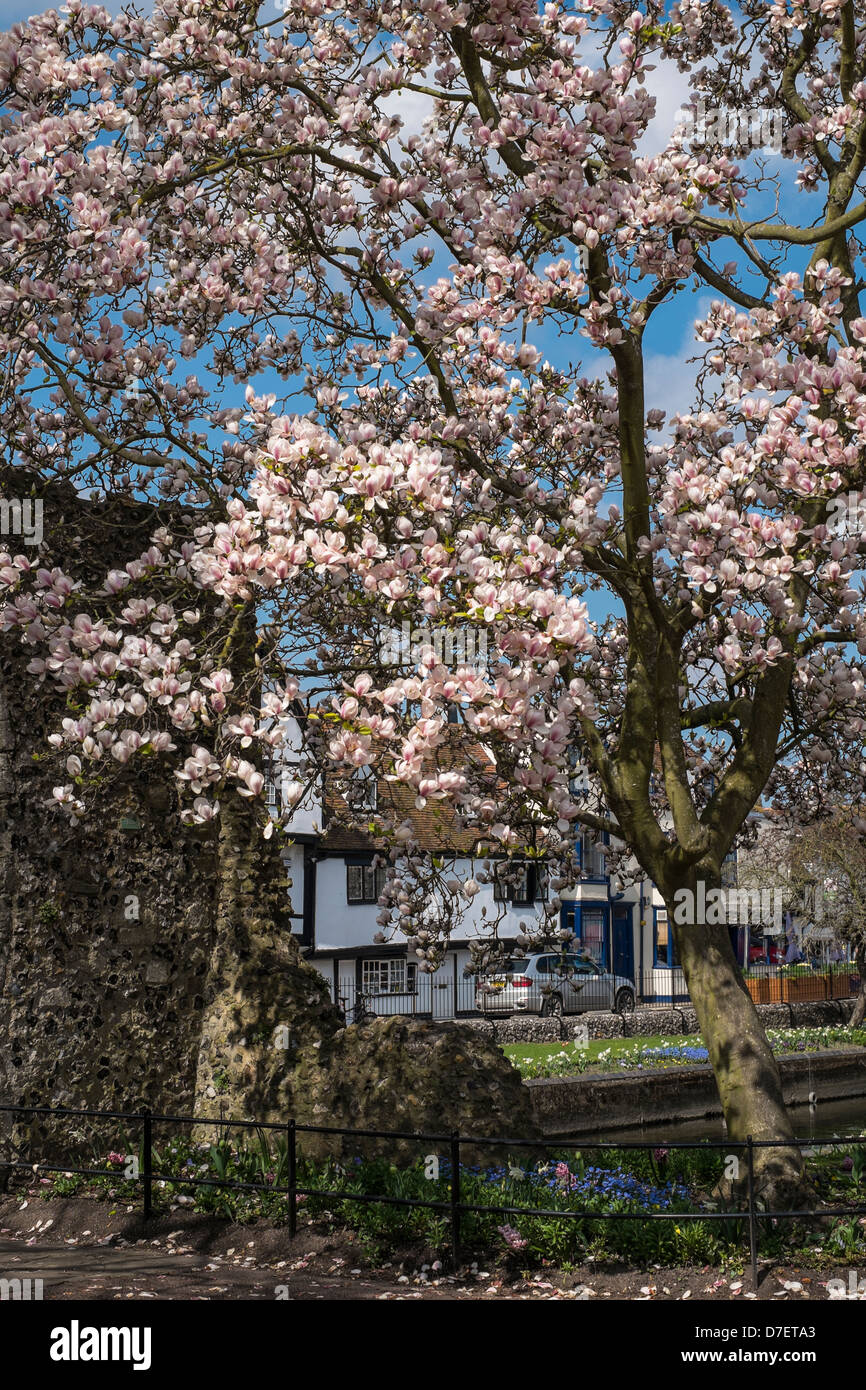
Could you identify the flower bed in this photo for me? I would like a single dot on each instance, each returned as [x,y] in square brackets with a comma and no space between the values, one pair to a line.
[571,1060]
[627,1182]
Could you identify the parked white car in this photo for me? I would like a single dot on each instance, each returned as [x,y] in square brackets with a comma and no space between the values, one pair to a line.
[551,985]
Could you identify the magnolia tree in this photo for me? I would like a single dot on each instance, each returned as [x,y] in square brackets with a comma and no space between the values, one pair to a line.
[432,243]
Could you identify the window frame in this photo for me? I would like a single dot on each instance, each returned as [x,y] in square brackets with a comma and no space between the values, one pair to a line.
[584,965]
[534,888]
[372,885]
[406,976]
[590,911]
[368,803]
[589,855]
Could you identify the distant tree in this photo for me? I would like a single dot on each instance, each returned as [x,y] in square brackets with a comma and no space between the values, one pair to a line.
[828,862]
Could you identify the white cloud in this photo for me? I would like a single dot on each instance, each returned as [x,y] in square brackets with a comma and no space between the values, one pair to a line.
[670,379]
[670,87]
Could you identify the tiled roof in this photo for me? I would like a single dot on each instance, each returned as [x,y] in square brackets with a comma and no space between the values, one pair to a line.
[434,823]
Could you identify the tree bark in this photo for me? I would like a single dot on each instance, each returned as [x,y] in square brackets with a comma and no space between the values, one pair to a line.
[7,826]
[859,1012]
[7,896]
[745,1069]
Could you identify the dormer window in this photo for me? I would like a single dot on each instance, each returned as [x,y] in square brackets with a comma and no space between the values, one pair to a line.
[362,792]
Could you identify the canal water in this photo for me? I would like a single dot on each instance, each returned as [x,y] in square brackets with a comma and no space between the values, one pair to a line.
[824,1120]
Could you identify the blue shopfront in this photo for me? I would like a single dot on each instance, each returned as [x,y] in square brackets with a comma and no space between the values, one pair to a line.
[605,931]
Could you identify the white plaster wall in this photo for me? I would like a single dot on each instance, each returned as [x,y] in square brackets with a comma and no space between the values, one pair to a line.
[307,816]
[340,923]
[293,858]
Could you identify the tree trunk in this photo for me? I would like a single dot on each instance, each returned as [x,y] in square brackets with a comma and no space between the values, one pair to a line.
[859,1012]
[745,1069]
[7,831]
[263,1002]
[8,815]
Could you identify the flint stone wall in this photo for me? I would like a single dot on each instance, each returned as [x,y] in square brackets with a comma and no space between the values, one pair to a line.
[105,933]
[645,1023]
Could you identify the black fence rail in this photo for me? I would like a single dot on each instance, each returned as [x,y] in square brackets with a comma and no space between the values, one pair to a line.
[750,1215]
[660,988]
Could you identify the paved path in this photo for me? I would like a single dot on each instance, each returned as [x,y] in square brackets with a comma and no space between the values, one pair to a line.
[136,1272]
[140,1272]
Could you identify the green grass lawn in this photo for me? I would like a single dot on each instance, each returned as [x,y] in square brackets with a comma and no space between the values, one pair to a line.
[615,1054]
[613,1046]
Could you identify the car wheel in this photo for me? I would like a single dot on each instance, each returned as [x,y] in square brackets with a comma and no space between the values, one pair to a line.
[624,1002]
[552,1007]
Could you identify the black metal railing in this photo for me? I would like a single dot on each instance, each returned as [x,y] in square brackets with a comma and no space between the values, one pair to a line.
[750,1216]
[659,988]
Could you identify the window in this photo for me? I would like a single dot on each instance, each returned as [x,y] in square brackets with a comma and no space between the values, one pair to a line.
[519,881]
[592,931]
[273,800]
[278,772]
[729,870]
[364,884]
[273,773]
[362,791]
[664,941]
[566,965]
[388,976]
[511,882]
[509,967]
[590,855]
[581,966]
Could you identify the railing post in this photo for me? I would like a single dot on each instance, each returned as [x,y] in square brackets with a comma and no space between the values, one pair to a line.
[455,1198]
[147,1164]
[753,1220]
[293,1178]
